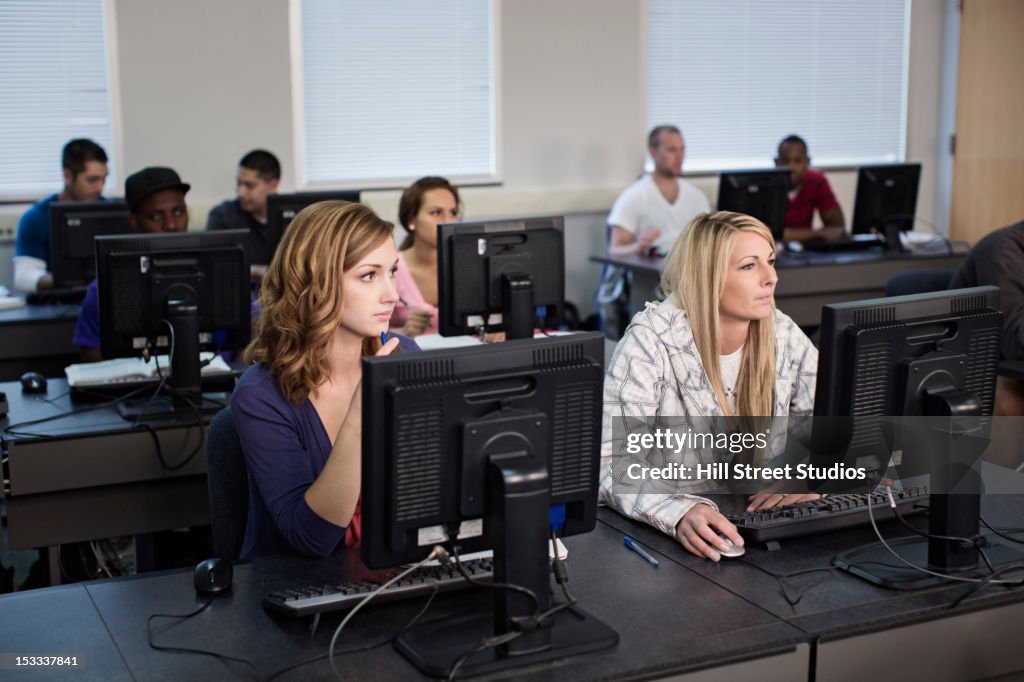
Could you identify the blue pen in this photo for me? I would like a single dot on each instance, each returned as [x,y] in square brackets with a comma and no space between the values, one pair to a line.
[630,543]
[383,338]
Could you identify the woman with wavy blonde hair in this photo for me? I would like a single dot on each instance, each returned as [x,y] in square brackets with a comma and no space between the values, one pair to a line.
[715,347]
[326,299]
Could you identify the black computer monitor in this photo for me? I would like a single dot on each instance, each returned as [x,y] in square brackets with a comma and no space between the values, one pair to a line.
[495,275]
[73,226]
[886,201]
[759,193]
[282,208]
[176,293]
[906,385]
[490,444]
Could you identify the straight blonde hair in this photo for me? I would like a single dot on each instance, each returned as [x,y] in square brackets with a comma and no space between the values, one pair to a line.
[302,298]
[695,271]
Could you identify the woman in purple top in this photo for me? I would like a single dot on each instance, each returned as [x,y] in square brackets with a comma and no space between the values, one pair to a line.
[326,299]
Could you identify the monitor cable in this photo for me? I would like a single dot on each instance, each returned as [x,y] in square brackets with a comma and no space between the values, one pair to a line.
[438,553]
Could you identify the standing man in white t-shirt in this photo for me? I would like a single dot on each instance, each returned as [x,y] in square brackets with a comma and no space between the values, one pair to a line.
[652,211]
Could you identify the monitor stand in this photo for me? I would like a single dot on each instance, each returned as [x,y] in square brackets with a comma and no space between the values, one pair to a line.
[519,491]
[950,515]
[184,383]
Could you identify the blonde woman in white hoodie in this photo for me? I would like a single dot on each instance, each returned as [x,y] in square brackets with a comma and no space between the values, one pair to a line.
[716,347]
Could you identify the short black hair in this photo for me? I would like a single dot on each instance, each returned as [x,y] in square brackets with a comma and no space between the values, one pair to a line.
[654,137]
[264,163]
[79,152]
[792,139]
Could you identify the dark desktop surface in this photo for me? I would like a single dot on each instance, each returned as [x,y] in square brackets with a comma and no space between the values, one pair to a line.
[37,338]
[669,620]
[834,604]
[90,474]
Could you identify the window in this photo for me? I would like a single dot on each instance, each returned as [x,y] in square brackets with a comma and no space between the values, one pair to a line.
[390,91]
[54,82]
[739,75]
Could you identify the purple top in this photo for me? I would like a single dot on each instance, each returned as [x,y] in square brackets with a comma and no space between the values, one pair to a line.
[286,447]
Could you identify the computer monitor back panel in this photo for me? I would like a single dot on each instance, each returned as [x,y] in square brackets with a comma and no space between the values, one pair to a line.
[759,193]
[431,420]
[474,257]
[73,227]
[886,195]
[139,274]
[282,209]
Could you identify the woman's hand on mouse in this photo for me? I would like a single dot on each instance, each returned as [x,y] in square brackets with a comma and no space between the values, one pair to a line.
[699,529]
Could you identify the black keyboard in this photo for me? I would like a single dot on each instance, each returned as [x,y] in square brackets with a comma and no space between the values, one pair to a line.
[855,243]
[56,296]
[827,514]
[313,599]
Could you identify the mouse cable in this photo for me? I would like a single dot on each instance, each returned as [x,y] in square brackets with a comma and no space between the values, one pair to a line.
[182,617]
[437,553]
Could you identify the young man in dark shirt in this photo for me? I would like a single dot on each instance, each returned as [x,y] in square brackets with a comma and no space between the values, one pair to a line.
[258,176]
[809,191]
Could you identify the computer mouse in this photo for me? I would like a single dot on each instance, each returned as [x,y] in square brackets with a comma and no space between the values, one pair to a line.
[733,551]
[794,246]
[33,382]
[213,576]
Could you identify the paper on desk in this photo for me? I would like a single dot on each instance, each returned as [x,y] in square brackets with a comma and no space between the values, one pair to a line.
[132,369]
[11,302]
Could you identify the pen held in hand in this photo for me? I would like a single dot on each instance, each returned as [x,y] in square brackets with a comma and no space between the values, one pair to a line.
[630,543]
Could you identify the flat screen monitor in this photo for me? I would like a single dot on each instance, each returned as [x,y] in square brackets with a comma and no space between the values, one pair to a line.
[489,446]
[73,226]
[175,293]
[758,193]
[906,387]
[886,199]
[496,275]
[282,208]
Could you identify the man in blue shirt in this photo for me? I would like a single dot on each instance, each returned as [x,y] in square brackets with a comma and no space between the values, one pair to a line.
[85,172]
[156,203]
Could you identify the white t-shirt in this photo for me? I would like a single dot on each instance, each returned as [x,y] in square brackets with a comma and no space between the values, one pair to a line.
[729,366]
[642,206]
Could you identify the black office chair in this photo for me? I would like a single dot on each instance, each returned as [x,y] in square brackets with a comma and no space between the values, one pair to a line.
[918,282]
[227,482]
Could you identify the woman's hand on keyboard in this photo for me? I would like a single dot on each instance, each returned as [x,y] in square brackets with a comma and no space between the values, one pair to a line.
[768,499]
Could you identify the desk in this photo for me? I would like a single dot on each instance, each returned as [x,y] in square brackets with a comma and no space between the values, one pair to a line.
[37,338]
[861,630]
[91,475]
[670,621]
[807,281]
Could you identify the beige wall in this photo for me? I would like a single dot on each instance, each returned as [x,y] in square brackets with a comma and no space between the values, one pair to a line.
[202,82]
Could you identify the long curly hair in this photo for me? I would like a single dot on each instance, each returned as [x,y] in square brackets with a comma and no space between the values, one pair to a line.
[302,298]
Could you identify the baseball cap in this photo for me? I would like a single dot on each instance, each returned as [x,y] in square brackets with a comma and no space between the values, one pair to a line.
[149,181]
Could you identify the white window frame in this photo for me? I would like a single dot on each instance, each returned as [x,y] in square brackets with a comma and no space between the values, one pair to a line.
[399,181]
[901,155]
[115,155]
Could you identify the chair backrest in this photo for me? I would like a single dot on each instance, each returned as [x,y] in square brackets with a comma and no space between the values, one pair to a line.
[227,484]
[918,282]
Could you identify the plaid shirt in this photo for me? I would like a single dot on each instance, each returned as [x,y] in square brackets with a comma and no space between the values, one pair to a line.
[657,372]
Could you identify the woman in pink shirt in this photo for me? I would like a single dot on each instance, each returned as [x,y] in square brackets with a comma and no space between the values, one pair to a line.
[424,205]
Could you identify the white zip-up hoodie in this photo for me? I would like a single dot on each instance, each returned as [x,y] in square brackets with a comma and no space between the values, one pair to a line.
[656,371]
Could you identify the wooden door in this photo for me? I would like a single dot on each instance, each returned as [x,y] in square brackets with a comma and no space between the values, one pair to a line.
[988,164]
